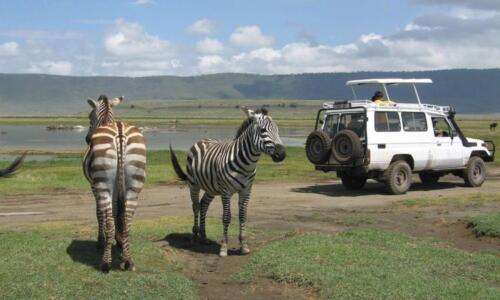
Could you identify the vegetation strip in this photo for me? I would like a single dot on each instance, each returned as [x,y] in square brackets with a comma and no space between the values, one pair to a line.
[65,172]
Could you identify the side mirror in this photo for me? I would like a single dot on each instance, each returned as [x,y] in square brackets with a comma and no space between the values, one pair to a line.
[321,122]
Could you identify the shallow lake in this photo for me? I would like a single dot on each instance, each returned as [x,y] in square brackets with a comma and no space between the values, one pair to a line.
[35,137]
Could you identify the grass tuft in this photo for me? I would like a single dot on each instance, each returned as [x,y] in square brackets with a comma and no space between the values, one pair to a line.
[486,224]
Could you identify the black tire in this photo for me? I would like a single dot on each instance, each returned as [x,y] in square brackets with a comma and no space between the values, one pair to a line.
[352,182]
[398,177]
[475,172]
[318,147]
[429,178]
[346,146]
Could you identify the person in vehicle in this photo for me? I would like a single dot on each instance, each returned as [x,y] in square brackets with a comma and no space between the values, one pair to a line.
[378,99]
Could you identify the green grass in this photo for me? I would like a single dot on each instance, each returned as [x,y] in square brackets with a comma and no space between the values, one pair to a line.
[59,260]
[352,219]
[65,172]
[377,265]
[463,200]
[486,224]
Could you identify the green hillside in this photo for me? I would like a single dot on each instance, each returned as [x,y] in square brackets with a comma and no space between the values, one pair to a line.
[469,91]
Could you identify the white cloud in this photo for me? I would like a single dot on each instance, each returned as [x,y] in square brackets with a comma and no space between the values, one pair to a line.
[9,49]
[142,2]
[130,39]
[211,64]
[203,26]
[52,67]
[250,37]
[209,46]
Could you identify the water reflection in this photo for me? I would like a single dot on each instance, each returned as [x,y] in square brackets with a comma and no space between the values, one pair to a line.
[37,137]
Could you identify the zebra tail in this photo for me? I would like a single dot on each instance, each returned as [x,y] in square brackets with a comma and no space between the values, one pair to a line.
[177,168]
[13,166]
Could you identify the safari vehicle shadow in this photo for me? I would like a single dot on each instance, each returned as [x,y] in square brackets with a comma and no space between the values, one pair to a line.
[371,188]
[185,241]
[86,252]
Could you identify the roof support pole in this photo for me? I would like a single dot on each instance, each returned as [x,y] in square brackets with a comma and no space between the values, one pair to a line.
[416,93]
[354,93]
[385,91]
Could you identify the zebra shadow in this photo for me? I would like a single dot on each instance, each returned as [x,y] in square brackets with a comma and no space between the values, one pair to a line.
[185,241]
[86,252]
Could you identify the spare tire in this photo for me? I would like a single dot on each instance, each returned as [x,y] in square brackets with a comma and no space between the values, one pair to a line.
[346,146]
[318,147]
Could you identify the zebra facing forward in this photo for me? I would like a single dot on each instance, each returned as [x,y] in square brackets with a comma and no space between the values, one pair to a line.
[114,165]
[226,168]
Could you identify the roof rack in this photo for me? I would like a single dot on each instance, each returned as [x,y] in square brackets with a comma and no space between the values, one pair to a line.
[370,104]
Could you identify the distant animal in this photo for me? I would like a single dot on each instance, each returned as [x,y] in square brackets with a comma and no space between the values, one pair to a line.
[226,168]
[493,126]
[13,166]
[114,165]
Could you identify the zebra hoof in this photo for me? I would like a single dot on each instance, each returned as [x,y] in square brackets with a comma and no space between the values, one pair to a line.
[127,266]
[105,267]
[244,250]
[223,250]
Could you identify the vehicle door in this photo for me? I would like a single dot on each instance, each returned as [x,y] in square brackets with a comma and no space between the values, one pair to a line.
[448,148]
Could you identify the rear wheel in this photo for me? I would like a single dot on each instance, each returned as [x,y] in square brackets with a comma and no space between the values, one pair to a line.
[429,178]
[352,182]
[398,177]
[475,173]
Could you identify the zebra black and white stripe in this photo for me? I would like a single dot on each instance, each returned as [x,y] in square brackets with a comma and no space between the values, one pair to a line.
[115,166]
[226,168]
[10,169]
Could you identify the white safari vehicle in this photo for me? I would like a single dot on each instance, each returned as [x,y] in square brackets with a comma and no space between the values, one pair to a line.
[360,139]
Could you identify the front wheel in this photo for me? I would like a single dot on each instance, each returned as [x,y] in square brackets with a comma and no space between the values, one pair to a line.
[398,177]
[475,172]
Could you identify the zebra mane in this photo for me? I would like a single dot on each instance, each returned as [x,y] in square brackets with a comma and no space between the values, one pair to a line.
[246,123]
[103,110]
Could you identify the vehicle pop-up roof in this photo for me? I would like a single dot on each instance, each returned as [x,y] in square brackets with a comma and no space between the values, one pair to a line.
[387,82]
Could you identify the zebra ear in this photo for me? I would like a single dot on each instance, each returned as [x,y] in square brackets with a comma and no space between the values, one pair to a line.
[116,101]
[248,112]
[92,102]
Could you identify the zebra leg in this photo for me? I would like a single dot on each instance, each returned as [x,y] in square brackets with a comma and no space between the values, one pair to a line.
[130,205]
[205,203]
[226,220]
[195,199]
[244,197]
[100,222]
[104,204]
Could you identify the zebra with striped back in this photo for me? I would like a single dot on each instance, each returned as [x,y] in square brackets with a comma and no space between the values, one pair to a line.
[226,168]
[10,169]
[114,165]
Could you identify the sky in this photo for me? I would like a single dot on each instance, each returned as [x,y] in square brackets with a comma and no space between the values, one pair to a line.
[188,37]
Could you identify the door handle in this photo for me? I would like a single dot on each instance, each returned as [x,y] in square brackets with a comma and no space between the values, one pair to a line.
[439,144]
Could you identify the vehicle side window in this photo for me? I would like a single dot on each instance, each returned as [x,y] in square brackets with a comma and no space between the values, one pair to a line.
[441,127]
[414,121]
[387,121]
[330,126]
[354,122]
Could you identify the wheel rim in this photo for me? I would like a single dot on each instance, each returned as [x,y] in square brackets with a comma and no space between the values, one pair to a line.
[401,178]
[344,147]
[477,172]
[316,147]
